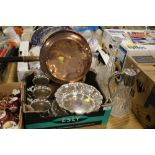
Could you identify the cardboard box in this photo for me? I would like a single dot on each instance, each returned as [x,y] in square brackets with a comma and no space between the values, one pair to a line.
[130,36]
[135,42]
[126,49]
[143,94]
[22,68]
[109,34]
[6,89]
[24,48]
[35,120]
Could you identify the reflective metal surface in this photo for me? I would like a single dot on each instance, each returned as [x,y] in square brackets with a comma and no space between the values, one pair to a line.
[40,80]
[39,91]
[57,111]
[65,57]
[129,76]
[79,98]
[41,105]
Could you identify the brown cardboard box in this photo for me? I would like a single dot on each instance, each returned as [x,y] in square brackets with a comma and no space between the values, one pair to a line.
[143,100]
[6,89]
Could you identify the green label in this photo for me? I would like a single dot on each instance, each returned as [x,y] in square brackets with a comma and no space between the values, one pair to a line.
[72,120]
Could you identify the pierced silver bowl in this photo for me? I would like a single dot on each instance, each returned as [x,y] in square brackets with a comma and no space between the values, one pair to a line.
[79,98]
[40,80]
[40,91]
[41,105]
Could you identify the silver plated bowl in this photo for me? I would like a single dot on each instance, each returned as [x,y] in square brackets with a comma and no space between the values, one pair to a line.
[79,98]
[40,80]
[40,91]
[41,105]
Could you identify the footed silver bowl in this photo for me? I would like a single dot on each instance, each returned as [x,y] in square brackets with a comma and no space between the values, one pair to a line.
[41,80]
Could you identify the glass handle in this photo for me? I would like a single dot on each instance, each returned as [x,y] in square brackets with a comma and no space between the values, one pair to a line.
[110,79]
[107,103]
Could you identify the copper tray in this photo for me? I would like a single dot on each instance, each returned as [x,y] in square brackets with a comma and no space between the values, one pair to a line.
[65,57]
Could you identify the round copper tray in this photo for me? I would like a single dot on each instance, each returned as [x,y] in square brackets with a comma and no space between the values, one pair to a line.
[65,57]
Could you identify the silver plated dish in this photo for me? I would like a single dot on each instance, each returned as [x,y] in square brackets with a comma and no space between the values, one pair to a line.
[79,98]
[41,105]
[40,80]
[40,91]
